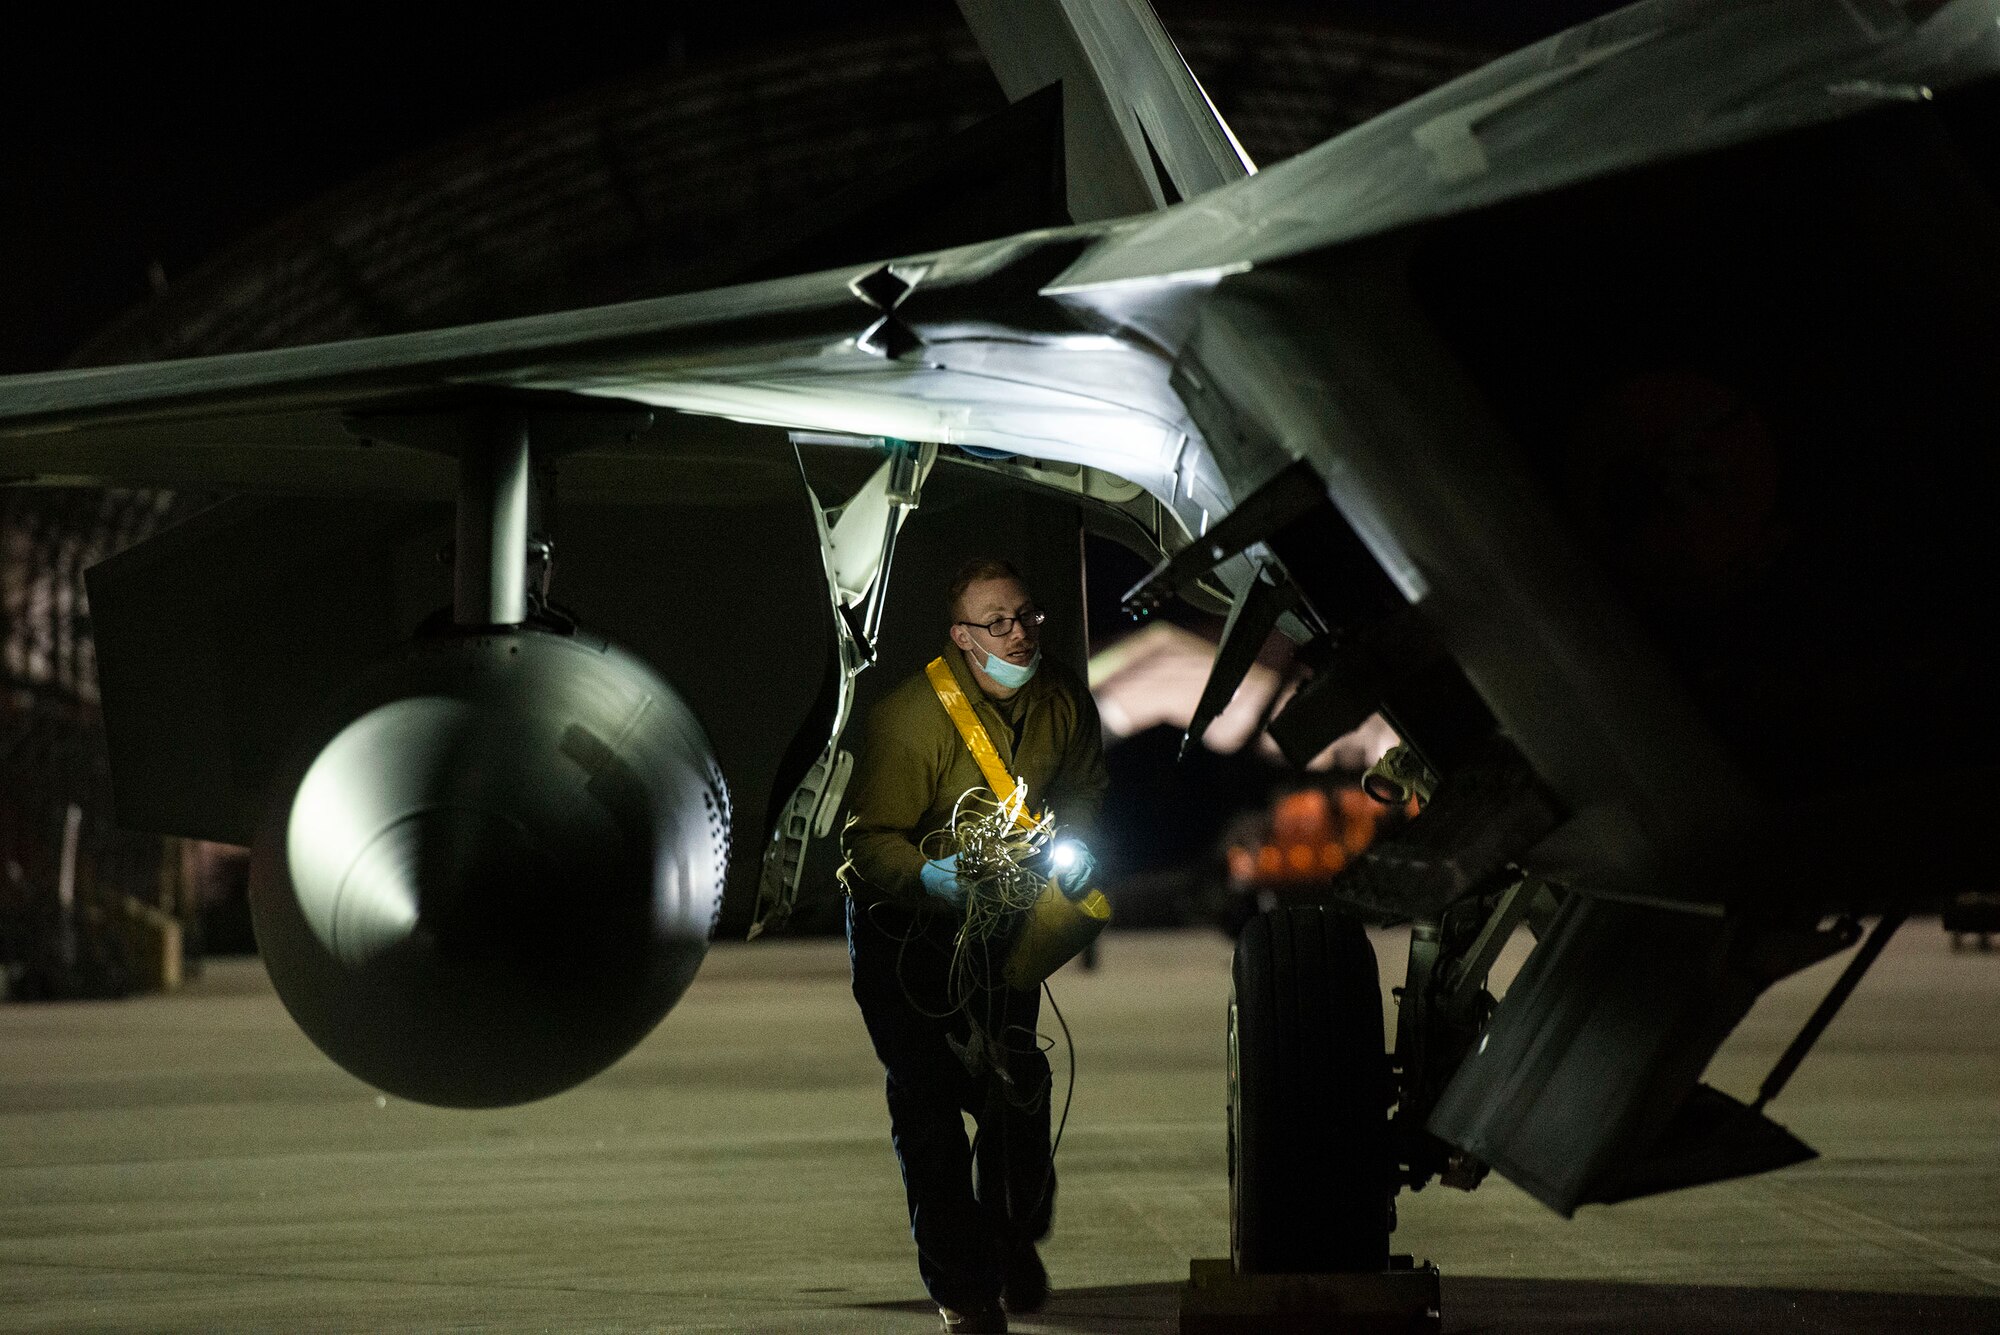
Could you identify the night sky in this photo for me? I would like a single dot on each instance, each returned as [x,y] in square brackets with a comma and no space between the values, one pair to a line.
[133,147]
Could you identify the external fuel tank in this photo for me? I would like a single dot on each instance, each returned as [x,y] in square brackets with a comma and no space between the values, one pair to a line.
[492,866]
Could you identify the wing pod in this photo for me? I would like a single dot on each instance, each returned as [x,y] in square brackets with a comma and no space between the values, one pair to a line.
[492,867]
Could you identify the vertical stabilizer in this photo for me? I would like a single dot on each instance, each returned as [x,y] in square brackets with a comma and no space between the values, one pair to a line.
[1138,131]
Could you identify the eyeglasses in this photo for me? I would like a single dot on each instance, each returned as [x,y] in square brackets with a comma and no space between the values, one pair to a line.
[1000,627]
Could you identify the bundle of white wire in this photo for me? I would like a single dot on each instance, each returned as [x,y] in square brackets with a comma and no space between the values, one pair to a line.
[998,854]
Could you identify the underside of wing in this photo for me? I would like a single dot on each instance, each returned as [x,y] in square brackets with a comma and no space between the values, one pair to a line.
[956,348]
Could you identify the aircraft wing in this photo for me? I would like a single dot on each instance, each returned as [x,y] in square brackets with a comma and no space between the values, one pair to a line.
[951,347]
[954,348]
[1027,344]
[1643,84]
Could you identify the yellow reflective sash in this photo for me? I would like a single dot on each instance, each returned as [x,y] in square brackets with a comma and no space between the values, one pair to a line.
[1057,928]
[984,753]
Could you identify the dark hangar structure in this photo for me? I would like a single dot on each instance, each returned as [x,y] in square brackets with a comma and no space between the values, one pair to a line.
[1610,417]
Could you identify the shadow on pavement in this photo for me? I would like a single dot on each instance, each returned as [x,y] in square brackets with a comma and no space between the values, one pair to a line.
[1508,1306]
[1474,1306]
[1115,1309]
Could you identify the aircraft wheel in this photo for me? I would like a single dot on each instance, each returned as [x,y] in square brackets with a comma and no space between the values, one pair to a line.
[1309,1091]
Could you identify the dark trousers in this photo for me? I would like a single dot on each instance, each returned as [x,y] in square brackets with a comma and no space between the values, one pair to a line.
[967,1210]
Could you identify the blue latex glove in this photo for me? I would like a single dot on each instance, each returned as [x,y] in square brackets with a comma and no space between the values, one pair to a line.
[940,878]
[1071,865]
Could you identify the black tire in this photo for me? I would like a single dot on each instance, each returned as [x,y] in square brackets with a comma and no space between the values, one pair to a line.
[1310,1177]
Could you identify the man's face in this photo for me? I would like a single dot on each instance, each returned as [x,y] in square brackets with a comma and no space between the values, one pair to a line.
[989,600]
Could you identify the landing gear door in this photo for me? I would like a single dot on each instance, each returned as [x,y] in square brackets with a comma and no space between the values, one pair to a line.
[857,542]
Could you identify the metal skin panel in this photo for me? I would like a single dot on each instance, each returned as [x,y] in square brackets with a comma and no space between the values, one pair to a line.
[1123,112]
[1658,80]
[1427,481]
[1598,1041]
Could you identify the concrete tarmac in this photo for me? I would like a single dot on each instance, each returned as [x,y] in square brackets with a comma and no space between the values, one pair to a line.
[191,1162]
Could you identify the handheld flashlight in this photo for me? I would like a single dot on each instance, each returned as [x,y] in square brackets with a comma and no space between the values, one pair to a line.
[1072,866]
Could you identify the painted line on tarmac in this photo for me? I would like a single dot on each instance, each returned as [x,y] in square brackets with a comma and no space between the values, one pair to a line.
[1880,1232]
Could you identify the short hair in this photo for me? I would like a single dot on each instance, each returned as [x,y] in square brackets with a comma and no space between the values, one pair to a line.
[969,574]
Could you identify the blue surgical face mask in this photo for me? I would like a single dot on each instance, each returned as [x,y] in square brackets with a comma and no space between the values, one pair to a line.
[1011,675]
